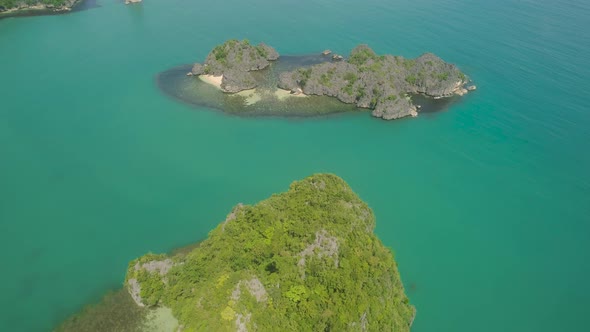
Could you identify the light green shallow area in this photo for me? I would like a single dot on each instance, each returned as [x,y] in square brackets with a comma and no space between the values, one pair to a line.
[485,204]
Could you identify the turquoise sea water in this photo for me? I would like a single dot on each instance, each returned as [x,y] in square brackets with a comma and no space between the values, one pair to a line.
[486,204]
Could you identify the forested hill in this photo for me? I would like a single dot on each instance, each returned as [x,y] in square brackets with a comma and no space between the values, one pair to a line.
[303,260]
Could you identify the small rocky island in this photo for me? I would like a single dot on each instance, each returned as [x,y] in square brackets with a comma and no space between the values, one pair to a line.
[233,63]
[381,83]
[384,84]
[303,260]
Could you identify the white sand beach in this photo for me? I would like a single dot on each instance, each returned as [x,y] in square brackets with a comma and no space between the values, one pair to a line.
[213,80]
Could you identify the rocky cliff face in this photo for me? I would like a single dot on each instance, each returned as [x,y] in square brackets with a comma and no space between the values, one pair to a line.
[235,60]
[381,83]
[303,260]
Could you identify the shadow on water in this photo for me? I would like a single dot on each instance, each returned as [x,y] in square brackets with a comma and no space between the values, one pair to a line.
[431,105]
[85,5]
[80,6]
[266,99]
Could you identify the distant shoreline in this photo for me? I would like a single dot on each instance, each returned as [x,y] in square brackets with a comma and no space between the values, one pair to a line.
[40,10]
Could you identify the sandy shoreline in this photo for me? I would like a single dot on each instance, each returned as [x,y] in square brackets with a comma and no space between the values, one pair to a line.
[282,94]
[213,80]
[252,95]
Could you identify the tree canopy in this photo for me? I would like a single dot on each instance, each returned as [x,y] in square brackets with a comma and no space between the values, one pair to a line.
[303,260]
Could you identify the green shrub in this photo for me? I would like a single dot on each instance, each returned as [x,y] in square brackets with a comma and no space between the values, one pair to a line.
[411,79]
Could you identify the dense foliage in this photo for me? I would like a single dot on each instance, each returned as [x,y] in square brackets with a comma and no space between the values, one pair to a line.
[303,260]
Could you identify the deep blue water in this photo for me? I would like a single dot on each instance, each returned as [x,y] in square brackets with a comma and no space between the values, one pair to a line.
[485,204]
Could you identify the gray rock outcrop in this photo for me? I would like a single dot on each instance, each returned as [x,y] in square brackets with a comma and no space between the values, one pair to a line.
[153,266]
[235,80]
[394,109]
[235,60]
[380,83]
[431,76]
[198,69]
[324,246]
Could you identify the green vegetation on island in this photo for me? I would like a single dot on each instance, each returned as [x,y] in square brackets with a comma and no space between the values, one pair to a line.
[234,60]
[384,84]
[303,260]
[52,5]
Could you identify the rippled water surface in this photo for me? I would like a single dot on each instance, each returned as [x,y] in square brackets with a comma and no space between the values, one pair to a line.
[485,204]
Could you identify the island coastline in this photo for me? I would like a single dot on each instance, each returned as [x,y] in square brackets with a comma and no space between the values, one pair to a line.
[37,9]
[212,79]
[40,9]
[383,84]
[259,264]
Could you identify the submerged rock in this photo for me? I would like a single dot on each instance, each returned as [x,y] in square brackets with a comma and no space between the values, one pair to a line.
[337,57]
[115,312]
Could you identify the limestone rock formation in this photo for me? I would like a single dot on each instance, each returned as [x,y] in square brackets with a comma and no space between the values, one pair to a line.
[381,83]
[234,60]
[384,84]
